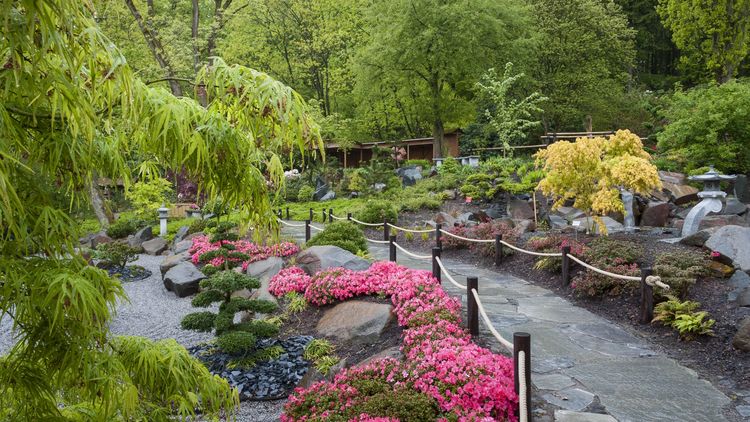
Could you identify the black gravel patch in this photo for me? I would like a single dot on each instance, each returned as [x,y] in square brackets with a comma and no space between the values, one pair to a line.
[129,273]
[269,380]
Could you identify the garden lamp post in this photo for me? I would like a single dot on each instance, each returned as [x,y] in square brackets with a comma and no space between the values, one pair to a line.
[163,214]
[712,196]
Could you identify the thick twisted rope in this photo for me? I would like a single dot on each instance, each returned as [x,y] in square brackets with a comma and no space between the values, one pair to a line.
[377,241]
[508,345]
[413,255]
[447,274]
[366,224]
[555,254]
[410,230]
[652,280]
[522,414]
[337,218]
[289,224]
[466,238]
[316,228]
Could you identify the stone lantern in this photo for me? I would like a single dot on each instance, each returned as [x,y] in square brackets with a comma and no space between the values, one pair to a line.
[712,197]
[163,215]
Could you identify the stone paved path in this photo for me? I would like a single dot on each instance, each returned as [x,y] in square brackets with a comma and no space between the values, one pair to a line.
[577,355]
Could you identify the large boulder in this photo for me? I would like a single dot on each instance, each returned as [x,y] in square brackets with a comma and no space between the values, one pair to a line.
[263,271]
[655,214]
[445,219]
[409,175]
[520,210]
[742,189]
[142,235]
[557,222]
[171,261]
[100,239]
[154,246]
[180,234]
[589,224]
[721,220]
[183,246]
[184,279]
[741,340]
[740,282]
[495,211]
[569,213]
[732,242]
[316,258]
[733,205]
[675,187]
[356,321]
[698,238]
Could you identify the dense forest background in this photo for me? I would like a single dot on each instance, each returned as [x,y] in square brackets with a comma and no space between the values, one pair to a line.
[395,69]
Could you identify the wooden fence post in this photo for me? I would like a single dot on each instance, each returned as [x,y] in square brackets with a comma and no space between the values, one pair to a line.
[565,266]
[287,213]
[386,229]
[392,244]
[307,231]
[647,297]
[349,216]
[311,215]
[330,215]
[324,216]
[472,310]
[438,237]
[498,250]
[435,267]
[522,342]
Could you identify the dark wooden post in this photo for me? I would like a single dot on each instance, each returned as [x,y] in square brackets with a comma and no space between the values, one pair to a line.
[349,216]
[311,215]
[280,213]
[522,342]
[647,297]
[330,215]
[324,216]
[472,310]
[386,230]
[498,250]
[287,213]
[307,231]
[565,266]
[435,267]
[392,245]
[438,237]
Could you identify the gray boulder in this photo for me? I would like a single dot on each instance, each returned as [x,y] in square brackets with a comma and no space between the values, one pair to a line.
[183,246]
[721,220]
[557,222]
[732,242]
[655,214]
[740,282]
[184,279]
[328,196]
[733,205]
[100,239]
[445,219]
[263,271]
[409,175]
[520,210]
[569,213]
[171,261]
[356,321]
[588,224]
[154,246]
[180,234]
[495,211]
[698,238]
[741,188]
[142,235]
[741,340]
[318,258]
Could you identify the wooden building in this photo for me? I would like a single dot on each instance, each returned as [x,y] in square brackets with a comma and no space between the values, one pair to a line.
[415,149]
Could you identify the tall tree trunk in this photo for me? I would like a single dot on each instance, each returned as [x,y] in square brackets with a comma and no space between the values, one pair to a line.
[97,203]
[438,131]
[155,45]
[200,90]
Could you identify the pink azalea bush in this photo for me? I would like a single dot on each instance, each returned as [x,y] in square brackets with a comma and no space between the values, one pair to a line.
[444,372]
[202,244]
[291,279]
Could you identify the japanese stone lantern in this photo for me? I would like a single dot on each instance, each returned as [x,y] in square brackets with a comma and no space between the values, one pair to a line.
[712,196]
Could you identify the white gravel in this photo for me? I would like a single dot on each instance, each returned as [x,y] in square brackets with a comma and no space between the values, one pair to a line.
[155,313]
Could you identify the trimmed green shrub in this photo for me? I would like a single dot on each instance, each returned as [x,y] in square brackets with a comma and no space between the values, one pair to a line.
[116,254]
[344,234]
[124,227]
[376,211]
[305,193]
[421,202]
[680,269]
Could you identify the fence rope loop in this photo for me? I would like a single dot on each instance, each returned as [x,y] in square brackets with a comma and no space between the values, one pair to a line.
[337,218]
[289,224]
[508,345]
[316,228]
[410,230]
[411,254]
[466,238]
[447,274]
[366,224]
[655,280]
[377,241]
[528,252]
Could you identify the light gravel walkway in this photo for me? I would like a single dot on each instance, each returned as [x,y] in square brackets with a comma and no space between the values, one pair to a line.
[577,355]
[155,313]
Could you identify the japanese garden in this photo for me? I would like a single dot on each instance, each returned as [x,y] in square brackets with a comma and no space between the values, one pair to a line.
[375,211]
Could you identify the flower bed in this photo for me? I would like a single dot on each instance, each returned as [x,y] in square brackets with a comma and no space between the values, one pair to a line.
[444,376]
[202,244]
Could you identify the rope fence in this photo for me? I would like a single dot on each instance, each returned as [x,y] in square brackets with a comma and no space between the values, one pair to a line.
[404,229]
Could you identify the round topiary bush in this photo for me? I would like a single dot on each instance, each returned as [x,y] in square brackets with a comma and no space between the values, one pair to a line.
[344,234]
[305,193]
[376,211]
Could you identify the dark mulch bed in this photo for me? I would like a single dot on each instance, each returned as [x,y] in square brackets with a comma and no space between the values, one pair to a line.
[713,358]
[129,273]
[304,323]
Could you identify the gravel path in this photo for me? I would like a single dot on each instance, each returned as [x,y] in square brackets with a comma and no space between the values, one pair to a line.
[155,313]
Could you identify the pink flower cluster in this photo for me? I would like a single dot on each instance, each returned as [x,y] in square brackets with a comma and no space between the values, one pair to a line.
[291,279]
[467,381]
[202,244]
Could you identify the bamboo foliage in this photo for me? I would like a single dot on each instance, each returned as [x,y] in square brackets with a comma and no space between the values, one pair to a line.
[71,107]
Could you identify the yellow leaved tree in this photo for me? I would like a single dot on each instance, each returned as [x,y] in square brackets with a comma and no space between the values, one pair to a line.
[592,171]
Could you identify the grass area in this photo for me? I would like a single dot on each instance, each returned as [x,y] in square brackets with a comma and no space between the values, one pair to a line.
[173,224]
[300,211]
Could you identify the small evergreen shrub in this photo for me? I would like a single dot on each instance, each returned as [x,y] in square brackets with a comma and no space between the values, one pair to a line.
[683,317]
[680,269]
[124,227]
[376,211]
[116,254]
[305,193]
[344,234]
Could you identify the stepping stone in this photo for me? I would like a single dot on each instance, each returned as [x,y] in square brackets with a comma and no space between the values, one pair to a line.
[543,366]
[743,410]
[552,381]
[569,416]
[570,399]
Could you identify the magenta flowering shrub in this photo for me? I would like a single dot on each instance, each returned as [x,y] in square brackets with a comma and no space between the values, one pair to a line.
[486,230]
[291,279]
[444,375]
[202,244]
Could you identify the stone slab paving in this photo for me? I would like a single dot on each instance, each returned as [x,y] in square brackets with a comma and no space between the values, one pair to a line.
[577,355]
